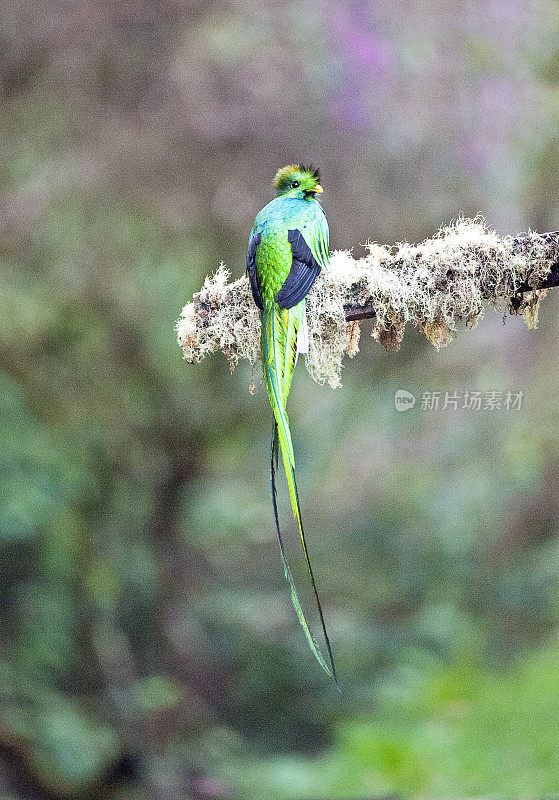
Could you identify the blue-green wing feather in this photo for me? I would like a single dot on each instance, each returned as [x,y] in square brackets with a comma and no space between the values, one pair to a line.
[317,236]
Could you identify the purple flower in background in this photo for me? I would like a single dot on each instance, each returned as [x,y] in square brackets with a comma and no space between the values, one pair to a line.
[489,113]
[366,51]
[473,153]
[365,60]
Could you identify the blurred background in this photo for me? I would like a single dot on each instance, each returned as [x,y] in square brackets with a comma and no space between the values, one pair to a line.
[149,650]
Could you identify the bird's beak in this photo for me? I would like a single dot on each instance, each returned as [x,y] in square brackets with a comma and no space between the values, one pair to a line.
[318,189]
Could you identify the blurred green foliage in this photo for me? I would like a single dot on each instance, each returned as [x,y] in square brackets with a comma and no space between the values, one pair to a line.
[149,650]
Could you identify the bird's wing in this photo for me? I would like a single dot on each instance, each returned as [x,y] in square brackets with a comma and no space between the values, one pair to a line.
[253,243]
[318,237]
[309,247]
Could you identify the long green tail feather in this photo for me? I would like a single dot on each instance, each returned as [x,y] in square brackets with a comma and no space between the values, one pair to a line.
[288,574]
[278,368]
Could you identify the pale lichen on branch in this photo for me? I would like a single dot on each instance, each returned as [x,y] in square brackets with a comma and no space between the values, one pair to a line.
[437,286]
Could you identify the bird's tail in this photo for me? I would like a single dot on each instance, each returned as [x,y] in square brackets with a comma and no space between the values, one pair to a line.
[279,334]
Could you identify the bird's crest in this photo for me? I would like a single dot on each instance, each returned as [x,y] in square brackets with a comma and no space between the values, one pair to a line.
[284,174]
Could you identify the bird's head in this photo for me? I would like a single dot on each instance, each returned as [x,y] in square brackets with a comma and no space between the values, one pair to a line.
[298,181]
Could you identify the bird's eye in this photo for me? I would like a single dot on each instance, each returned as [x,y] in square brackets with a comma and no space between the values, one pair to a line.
[295,184]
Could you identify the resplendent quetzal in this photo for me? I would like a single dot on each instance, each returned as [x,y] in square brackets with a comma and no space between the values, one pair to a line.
[287,249]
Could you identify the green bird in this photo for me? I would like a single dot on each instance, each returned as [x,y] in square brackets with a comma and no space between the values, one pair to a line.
[288,247]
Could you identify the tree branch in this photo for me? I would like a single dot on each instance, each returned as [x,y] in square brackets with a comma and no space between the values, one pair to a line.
[520,244]
[439,286]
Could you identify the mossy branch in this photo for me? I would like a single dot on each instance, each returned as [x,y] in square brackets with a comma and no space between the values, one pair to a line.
[547,264]
[437,286]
